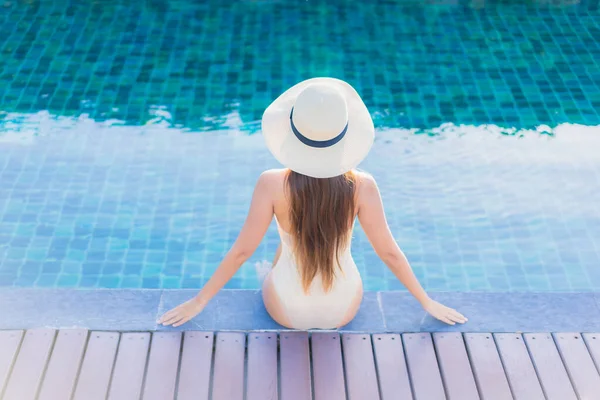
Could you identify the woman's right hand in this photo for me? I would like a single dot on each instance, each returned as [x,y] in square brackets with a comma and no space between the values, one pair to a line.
[182,313]
[443,313]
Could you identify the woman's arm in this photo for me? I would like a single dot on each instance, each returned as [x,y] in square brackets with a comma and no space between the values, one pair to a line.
[255,227]
[372,219]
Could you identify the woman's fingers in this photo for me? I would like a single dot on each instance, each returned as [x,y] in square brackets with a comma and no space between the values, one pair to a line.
[181,322]
[459,317]
[173,319]
[170,320]
[177,322]
[455,315]
[441,315]
[445,319]
[181,314]
[167,315]
[170,314]
[445,314]
[455,319]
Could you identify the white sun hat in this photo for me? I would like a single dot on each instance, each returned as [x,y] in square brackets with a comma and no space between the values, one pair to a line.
[319,127]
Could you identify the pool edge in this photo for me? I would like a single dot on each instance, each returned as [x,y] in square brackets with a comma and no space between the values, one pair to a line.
[243,310]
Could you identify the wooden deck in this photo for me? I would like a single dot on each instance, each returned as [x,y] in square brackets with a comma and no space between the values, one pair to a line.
[76,364]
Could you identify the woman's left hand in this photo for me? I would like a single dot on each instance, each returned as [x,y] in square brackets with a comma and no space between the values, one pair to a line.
[182,313]
[443,313]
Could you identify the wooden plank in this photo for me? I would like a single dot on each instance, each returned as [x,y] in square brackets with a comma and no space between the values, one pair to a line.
[359,364]
[97,366]
[29,367]
[455,366]
[487,367]
[518,367]
[391,367]
[61,375]
[196,364]
[549,366]
[9,347]
[328,372]
[128,375]
[228,379]
[593,343]
[262,367]
[295,366]
[579,364]
[163,362]
[423,367]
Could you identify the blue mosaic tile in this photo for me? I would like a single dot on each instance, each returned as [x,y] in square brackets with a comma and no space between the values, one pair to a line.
[65,280]
[125,165]
[46,280]
[465,61]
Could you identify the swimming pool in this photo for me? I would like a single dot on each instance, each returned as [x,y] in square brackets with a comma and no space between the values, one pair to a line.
[129,145]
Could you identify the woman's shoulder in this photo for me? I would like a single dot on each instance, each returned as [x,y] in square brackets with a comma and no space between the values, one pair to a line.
[275,179]
[274,172]
[273,175]
[271,179]
[366,188]
[364,179]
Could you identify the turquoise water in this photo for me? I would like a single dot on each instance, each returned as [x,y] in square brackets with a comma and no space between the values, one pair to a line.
[129,137]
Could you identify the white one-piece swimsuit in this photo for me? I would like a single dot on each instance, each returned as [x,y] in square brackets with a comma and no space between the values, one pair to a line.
[316,309]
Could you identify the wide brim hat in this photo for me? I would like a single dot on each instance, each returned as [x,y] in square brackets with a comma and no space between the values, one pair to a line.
[319,127]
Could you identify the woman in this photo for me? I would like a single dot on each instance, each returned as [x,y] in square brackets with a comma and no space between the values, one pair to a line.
[320,130]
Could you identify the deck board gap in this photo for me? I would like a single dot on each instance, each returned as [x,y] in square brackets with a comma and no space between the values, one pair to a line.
[439,366]
[279,366]
[246,357]
[590,352]
[562,359]
[477,385]
[147,364]
[510,384]
[310,365]
[212,365]
[43,376]
[85,349]
[12,365]
[535,368]
[112,370]
[178,373]
[344,367]
[376,367]
[412,386]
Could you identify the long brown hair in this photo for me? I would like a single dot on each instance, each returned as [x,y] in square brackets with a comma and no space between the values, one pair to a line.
[321,217]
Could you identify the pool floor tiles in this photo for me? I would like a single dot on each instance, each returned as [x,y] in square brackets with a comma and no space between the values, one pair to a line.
[50,364]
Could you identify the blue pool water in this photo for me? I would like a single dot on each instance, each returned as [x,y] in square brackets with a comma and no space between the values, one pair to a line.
[129,136]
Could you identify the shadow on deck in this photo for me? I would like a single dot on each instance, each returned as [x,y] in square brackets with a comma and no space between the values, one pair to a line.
[78,364]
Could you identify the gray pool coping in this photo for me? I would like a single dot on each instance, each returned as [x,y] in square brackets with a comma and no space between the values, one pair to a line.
[243,310]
